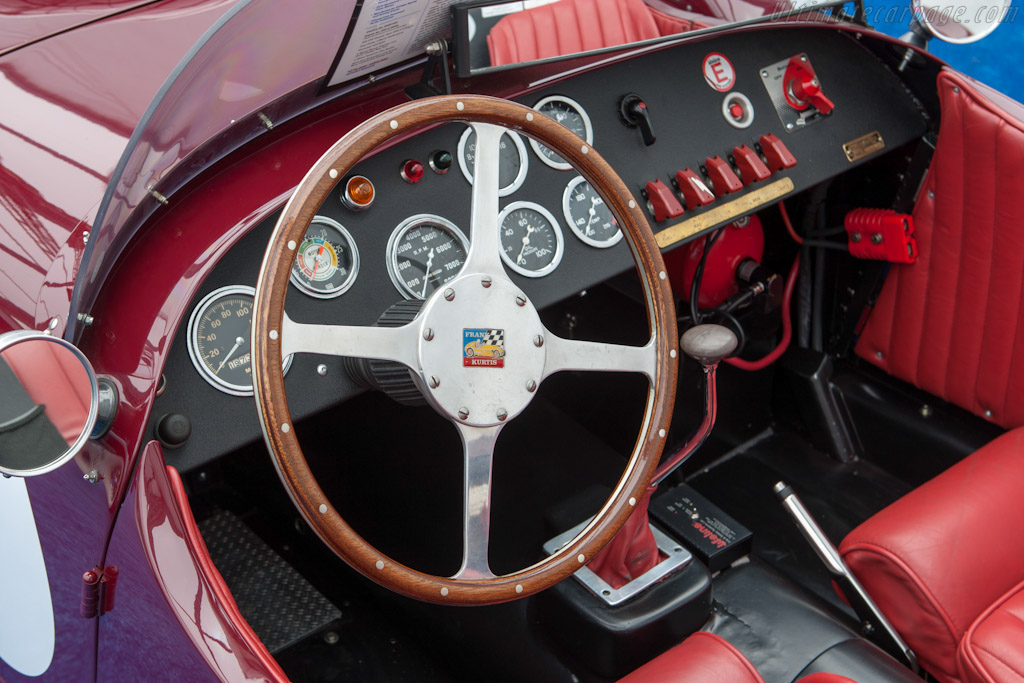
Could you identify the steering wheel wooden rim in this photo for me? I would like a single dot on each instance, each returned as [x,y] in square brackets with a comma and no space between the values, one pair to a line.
[268,378]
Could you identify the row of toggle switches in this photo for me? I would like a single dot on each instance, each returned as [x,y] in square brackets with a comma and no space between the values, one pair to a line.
[723,178]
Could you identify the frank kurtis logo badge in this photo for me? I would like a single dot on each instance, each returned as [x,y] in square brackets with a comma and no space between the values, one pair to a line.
[483,348]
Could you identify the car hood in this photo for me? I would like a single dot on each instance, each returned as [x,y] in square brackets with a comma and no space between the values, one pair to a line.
[29,22]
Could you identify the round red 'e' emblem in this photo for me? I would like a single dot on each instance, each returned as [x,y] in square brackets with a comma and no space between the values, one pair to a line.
[718,72]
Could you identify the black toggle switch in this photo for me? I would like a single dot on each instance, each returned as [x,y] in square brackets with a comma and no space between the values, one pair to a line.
[635,114]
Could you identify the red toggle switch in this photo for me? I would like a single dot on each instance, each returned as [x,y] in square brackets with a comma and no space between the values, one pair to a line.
[801,87]
[776,152]
[663,200]
[722,177]
[751,167]
[695,192]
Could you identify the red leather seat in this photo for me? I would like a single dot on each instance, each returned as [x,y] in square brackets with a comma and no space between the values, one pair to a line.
[945,564]
[569,26]
[707,658]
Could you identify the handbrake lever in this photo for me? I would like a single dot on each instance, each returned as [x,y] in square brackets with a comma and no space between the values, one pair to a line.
[875,625]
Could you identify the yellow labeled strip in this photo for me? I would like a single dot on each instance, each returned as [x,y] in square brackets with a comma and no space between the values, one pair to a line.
[720,214]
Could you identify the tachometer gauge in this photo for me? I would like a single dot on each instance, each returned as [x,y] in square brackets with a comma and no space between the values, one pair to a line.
[425,252]
[531,241]
[570,114]
[512,162]
[326,261]
[588,216]
[218,339]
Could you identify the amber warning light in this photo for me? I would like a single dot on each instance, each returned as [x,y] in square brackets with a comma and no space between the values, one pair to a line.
[358,194]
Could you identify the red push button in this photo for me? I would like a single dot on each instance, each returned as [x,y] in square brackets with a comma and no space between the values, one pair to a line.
[736,111]
[695,192]
[722,176]
[776,152]
[751,167]
[663,200]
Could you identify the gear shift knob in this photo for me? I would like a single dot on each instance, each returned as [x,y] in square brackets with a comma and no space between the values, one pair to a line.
[708,344]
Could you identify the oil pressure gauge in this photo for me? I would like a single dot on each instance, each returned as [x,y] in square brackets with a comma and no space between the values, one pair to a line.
[531,241]
[326,261]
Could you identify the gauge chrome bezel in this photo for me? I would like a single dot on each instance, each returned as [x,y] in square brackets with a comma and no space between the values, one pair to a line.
[193,349]
[350,280]
[559,239]
[566,194]
[588,127]
[404,227]
[524,161]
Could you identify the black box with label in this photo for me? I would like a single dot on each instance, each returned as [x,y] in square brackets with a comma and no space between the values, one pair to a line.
[713,536]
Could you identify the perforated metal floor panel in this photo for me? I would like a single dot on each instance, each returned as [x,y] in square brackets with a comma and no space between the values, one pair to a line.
[280,605]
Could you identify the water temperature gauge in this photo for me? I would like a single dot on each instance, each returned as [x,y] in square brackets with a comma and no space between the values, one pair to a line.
[531,241]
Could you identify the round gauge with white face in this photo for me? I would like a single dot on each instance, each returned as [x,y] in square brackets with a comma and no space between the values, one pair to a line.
[512,161]
[219,332]
[425,252]
[588,216]
[326,260]
[531,240]
[570,114]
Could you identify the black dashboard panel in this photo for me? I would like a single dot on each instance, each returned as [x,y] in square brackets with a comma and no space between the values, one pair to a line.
[689,123]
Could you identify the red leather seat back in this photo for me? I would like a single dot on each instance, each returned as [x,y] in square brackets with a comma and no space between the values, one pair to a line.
[571,26]
[702,658]
[953,323]
[993,649]
[936,559]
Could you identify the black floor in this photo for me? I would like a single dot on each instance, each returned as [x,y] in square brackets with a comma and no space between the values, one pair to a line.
[839,496]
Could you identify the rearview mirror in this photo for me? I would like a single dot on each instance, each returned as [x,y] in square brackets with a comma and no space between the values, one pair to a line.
[49,400]
[965,21]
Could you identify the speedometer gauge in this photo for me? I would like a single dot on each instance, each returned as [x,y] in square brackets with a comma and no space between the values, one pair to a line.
[512,162]
[588,215]
[425,252]
[218,339]
[531,241]
[570,114]
[326,261]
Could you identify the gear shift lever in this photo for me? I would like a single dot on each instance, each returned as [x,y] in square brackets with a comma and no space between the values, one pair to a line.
[633,551]
[708,345]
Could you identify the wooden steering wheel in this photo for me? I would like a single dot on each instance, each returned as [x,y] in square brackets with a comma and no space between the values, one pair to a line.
[431,346]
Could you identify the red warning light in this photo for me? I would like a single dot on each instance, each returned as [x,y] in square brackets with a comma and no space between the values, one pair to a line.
[412,171]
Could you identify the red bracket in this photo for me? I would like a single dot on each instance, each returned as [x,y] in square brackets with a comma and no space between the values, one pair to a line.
[98,586]
[882,235]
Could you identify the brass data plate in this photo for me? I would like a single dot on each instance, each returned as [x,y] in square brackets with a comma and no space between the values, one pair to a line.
[720,214]
[863,146]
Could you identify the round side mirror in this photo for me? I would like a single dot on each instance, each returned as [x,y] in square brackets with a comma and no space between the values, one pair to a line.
[49,400]
[964,21]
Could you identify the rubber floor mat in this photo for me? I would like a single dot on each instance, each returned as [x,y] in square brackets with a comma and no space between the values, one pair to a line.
[280,605]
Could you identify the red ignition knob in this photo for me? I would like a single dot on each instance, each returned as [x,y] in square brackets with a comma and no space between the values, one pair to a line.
[802,88]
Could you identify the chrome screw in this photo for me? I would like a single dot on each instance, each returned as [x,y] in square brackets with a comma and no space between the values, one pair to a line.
[520,301]
[321,370]
[538,341]
[486,281]
[433,382]
[876,238]
[428,333]
[449,294]
[502,414]
[92,477]
[463,413]
[531,386]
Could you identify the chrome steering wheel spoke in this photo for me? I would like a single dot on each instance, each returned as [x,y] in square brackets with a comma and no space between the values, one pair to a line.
[484,244]
[478,454]
[571,354]
[397,344]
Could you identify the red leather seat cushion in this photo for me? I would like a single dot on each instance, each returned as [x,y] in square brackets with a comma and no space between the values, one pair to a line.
[702,658]
[938,557]
[993,649]
[953,322]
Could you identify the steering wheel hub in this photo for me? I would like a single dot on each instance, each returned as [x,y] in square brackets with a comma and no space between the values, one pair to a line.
[481,349]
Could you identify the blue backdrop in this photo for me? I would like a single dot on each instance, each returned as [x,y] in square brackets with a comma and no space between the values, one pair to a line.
[996,61]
